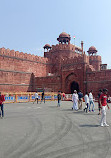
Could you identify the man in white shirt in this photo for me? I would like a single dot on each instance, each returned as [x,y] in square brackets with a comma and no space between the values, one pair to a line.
[75,100]
[36,97]
[91,101]
[86,98]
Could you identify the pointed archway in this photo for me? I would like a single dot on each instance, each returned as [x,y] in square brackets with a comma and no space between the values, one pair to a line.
[71,83]
[74,86]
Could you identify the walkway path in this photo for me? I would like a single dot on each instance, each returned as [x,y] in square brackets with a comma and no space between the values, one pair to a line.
[47,131]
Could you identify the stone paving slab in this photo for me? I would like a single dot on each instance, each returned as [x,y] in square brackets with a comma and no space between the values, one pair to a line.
[46,131]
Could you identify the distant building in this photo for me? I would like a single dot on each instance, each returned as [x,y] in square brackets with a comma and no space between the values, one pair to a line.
[64,67]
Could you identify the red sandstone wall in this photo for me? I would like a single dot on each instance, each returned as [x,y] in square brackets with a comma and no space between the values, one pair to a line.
[65,63]
[74,67]
[99,80]
[95,61]
[62,54]
[72,73]
[16,69]
[51,83]
[19,61]
[15,81]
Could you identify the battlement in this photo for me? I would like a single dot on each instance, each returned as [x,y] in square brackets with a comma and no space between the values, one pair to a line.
[65,47]
[60,47]
[21,55]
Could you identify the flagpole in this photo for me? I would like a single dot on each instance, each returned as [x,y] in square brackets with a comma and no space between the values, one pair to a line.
[74,39]
[74,43]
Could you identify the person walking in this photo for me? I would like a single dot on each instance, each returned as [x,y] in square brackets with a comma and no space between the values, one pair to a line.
[75,100]
[80,95]
[91,101]
[2,99]
[104,105]
[63,96]
[59,98]
[86,98]
[36,98]
[43,97]
[99,106]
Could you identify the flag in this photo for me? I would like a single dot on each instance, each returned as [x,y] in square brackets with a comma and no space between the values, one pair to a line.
[74,37]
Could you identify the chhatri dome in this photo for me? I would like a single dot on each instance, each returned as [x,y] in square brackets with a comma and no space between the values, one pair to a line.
[47,46]
[92,50]
[64,34]
[64,38]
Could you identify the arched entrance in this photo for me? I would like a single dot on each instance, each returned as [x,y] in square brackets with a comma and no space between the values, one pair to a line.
[71,83]
[74,86]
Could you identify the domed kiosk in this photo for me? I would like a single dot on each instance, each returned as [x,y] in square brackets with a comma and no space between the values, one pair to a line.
[47,46]
[64,38]
[92,50]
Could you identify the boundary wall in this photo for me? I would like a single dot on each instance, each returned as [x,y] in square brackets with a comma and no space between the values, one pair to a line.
[30,97]
[18,70]
[98,80]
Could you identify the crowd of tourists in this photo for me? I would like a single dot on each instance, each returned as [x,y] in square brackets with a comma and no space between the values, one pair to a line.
[77,99]
[89,100]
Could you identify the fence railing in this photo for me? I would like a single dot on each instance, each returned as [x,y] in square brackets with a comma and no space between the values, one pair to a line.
[30,97]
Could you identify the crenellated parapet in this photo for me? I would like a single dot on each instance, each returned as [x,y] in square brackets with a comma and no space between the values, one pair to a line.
[70,47]
[60,47]
[23,56]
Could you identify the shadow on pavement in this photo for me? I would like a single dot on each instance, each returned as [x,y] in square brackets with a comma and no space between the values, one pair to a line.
[67,110]
[89,125]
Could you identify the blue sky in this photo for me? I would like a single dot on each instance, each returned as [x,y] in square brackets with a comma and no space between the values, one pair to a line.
[27,25]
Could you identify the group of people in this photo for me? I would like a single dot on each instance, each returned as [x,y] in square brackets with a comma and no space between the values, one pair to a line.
[77,103]
[78,99]
[37,98]
[43,97]
[89,100]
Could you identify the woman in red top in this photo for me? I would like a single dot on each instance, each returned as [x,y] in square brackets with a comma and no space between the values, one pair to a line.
[104,105]
[2,99]
[63,95]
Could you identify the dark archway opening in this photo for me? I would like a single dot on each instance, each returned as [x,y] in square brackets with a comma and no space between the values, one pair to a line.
[74,86]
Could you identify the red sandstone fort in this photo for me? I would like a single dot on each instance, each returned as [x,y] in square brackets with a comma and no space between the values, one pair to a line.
[64,67]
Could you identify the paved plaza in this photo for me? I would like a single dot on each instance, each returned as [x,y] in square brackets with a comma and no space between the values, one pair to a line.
[46,131]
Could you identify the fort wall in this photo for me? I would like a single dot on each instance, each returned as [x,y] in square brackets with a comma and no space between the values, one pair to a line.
[19,61]
[98,80]
[57,70]
[16,69]
[51,83]
[15,81]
